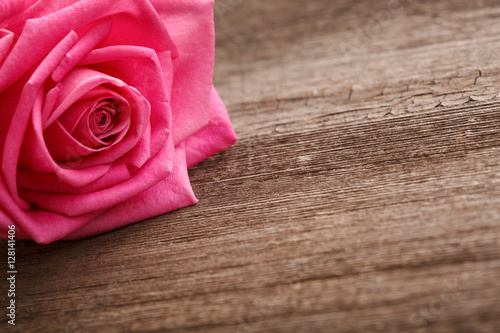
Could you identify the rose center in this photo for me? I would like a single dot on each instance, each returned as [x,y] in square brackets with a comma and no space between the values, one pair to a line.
[103,117]
[95,122]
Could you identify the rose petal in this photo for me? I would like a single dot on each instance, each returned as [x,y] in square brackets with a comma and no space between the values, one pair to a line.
[143,69]
[42,27]
[63,148]
[191,26]
[10,100]
[141,152]
[36,157]
[50,101]
[95,36]
[40,225]
[8,10]
[5,221]
[6,39]
[167,195]
[119,172]
[76,111]
[83,130]
[45,227]
[214,137]
[19,120]
[76,85]
[156,169]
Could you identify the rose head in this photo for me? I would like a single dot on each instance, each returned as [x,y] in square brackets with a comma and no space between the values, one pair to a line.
[104,105]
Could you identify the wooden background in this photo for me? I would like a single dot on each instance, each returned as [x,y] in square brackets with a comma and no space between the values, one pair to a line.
[362,196]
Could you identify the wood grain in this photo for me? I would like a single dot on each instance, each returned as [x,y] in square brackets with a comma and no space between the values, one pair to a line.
[362,196]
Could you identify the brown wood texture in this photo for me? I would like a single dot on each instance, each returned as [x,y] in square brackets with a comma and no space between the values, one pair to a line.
[362,196]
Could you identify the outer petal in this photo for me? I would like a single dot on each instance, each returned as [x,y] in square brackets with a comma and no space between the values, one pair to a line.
[6,39]
[156,169]
[169,194]
[40,225]
[19,119]
[217,135]
[9,9]
[42,26]
[191,27]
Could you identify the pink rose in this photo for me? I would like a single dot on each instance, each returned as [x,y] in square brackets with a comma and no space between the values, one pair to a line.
[104,105]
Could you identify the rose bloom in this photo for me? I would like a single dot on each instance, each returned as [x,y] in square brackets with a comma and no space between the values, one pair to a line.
[104,105]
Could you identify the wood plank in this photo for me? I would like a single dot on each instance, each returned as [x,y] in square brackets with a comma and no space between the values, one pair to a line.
[362,196]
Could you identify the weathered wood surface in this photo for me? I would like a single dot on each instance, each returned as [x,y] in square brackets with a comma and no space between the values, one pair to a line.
[362,196]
